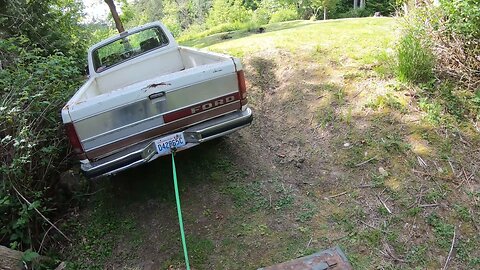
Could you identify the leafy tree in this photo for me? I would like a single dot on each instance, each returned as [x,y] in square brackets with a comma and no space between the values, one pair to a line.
[326,5]
[147,10]
[229,11]
[54,25]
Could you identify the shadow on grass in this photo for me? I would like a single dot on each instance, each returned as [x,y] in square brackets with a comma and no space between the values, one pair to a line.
[155,181]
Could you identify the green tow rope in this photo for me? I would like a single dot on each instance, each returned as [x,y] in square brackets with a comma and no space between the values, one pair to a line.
[179,211]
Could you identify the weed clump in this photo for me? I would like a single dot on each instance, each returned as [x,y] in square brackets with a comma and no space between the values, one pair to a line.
[415,59]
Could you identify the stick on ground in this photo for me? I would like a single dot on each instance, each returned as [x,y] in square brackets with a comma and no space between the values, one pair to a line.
[450,252]
[336,195]
[384,205]
[365,162]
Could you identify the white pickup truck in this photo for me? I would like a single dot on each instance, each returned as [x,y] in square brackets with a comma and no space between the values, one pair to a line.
[146,95]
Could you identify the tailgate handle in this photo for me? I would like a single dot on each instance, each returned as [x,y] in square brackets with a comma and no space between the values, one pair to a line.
[158,95]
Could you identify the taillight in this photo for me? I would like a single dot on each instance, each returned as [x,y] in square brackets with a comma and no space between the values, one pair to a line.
[73,137]
[242,88]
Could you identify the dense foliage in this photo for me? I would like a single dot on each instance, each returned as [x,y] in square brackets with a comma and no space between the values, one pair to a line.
[439,52]
[40,68]
[51,25]
[450,33]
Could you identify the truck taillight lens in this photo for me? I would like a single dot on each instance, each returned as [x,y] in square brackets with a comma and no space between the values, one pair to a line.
[242,88]
[73,137]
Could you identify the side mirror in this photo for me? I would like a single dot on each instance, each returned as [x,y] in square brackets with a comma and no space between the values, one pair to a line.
[86,71]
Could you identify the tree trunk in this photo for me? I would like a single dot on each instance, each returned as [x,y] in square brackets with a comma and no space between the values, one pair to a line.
[355,4]
[324,13]
[362,3]
[116,18]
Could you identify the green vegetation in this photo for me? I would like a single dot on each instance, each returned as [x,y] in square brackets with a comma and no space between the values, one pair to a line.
[437,52]
[415,59]
[39,71]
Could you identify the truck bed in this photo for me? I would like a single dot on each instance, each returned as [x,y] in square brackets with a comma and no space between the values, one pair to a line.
[112,112]
[149,68]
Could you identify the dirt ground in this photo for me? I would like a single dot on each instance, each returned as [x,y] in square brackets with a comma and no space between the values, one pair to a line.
[337,154]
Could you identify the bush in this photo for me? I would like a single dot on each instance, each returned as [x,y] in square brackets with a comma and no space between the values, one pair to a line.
[261,16]
[415,59]
[356,13]
[463,17]
[33,88]
[451,33]
[457,42]
[225,12]
[283,15]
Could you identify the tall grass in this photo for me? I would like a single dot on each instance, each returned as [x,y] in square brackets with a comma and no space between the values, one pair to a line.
[415,59]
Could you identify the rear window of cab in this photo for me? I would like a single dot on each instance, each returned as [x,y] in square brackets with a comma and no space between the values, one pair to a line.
[128,47]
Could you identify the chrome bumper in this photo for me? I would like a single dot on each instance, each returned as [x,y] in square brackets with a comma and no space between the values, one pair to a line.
[145,152]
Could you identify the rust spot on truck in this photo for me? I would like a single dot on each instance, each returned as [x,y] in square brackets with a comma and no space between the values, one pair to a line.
[153,85]
[80,102]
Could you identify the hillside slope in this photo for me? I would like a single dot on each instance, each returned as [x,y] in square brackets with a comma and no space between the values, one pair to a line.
[339,153]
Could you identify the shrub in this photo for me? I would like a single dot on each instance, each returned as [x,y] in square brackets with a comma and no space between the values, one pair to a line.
[463,17]
[224,12]
[283,15]
[356,13]
[451,32]
[415,59]
[261,16]
[33,88]
[457,42]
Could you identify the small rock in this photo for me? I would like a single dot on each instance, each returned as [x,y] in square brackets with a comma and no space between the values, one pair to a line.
[346,144]
[382,171]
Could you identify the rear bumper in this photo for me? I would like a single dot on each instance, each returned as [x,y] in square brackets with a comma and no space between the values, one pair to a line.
[145,152]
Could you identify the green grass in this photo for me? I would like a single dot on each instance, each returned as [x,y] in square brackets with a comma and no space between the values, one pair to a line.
[443,231]
[415,59]
[314,35]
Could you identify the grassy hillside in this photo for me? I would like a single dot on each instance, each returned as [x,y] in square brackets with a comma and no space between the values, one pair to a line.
[339,153]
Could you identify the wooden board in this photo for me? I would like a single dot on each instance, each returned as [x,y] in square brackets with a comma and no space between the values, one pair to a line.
[330,259]
[10,259]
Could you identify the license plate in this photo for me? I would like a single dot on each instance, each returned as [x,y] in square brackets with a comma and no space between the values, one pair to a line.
[165,144]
